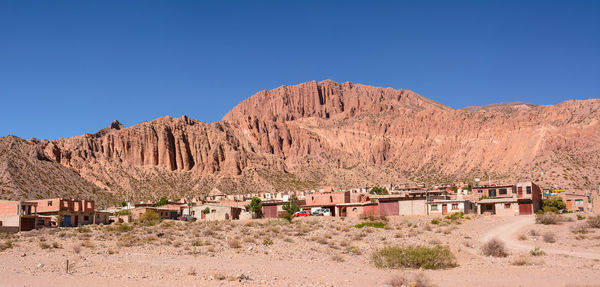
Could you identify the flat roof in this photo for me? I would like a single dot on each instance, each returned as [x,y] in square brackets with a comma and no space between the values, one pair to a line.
[498,200]
[356,203]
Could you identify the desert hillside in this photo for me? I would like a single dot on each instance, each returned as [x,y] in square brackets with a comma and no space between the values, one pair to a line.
[315,134]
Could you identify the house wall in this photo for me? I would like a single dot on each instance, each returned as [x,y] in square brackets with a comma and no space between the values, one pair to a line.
[9,207]
[217,212]
[328,198]
[412,207]
[461,207]
[9,220]
[510,211]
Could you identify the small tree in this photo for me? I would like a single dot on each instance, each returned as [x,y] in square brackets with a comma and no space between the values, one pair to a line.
[163,201]
[379,190]
[553,204]
[149,218]
[206,211]
[256,207]
[290,208]
[123,203]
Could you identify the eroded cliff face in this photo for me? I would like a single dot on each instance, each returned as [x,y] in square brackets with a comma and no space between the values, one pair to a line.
[345,135]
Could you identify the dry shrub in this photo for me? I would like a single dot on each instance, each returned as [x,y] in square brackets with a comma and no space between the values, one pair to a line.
[548,218]
[234,244]
[438,257]
[337,258]
[419,280]
[88,244]
[44,245]
[537,252]
[112,251]
[594,221]
[522,236]
[523,260]
[579,229]
[76,249]
[549,237]
[495,248]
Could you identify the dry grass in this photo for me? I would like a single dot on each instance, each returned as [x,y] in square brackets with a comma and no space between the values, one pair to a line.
[438,257]
[419,280]
[524,260]
[234,244]
[495,248]
[549,237]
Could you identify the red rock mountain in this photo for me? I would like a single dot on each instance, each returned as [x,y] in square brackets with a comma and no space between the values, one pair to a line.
[345,135]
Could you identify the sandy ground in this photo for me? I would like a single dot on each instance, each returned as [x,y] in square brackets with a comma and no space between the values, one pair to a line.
[316,251]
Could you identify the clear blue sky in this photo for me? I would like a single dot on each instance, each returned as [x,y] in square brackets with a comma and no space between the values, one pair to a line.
[70,67]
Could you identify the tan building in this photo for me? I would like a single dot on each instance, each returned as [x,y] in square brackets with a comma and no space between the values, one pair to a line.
[215,212]
[443,207]
[498,206]
[65,212]
[357,209]
[16,216]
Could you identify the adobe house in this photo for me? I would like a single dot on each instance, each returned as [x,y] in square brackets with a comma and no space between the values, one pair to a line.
[575,201]
[412,202]
[498,206]
[16,216]
[327,199]
[216,212]
[68,212]
[443,207]
[356,209]
[163,212]
[529,196]
[273,208]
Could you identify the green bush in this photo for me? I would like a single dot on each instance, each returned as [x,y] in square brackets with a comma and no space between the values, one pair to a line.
[123,212]
[438,257]
[82,229]
[6,245]
[379,190]
[553,204]
[370,224]
[149,218]
[455,216]
[435,221]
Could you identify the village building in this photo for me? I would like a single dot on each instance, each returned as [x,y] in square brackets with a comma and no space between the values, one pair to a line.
[443,207]
[357,209]
[272,208]
[215,212]
[326,200]
[521,199]
[16,216]
[575,201]
[163,212]
[66,212]
[413,202]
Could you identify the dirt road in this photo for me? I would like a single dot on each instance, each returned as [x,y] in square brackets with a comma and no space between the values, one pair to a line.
[507,233]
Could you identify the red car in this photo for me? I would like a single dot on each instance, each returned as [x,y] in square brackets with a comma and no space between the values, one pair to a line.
[301,213]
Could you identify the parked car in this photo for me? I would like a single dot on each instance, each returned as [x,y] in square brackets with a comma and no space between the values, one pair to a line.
[186,217]
[326,212]
[301,213]
[317,212]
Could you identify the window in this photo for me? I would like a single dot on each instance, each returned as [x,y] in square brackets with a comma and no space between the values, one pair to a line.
[330,198]
[480,191]
[502,191]
[455,206]
[578,201]
[354,209]
[49,203]
[434,207]
[86,218]
[507,205]
[528,189]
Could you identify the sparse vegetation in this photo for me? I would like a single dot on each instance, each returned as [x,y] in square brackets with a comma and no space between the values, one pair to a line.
[548,218]
[549,237]
[149,218]
[537,252]
[594,221]
[369,224]
[419,280]
[379,190]
[438,257]
[495,248]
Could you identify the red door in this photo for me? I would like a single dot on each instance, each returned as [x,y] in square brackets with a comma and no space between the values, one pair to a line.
[270,211]
[389,208]
[569,204]
[520,192]
[444,208]
[525,208]
[76,220]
